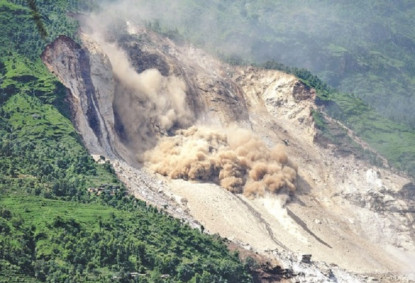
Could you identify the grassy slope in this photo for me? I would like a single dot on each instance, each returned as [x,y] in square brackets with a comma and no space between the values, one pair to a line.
[51,228]
[394,141]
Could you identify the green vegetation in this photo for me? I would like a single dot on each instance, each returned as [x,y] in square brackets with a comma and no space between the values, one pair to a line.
[52,228]
[20,32]
[113,237]
[395,141]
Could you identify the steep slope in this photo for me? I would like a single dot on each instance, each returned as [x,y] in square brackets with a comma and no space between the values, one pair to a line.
[342,210]
[64,217]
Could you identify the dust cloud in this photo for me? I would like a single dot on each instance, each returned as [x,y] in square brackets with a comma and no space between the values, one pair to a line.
[146,104]
[166,95]
[232,158]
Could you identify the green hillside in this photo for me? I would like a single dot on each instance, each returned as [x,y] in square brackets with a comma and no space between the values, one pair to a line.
[51,228]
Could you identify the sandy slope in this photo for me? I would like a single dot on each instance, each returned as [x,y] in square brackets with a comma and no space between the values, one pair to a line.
[265,225]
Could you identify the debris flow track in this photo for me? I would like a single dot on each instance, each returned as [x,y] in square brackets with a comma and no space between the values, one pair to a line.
[261,220]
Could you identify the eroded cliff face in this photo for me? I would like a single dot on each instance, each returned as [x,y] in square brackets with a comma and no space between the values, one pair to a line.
[132,91]
[162,89]
[80,70]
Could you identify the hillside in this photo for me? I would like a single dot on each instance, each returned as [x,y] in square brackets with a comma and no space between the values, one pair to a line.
[128,154]
[64,217]
[358,47]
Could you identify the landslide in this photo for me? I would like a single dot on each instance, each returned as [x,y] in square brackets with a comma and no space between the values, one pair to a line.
[344,210]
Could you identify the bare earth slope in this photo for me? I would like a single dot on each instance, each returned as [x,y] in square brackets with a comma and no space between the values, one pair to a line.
[344,211]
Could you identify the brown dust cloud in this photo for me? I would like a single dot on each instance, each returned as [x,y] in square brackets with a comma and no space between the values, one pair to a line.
[232,158]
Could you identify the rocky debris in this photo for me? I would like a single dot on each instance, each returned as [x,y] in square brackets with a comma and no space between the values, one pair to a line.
[266,273]
[263,268]
[144,59]
[380,200]
[389,210]
[306,258]
[389,277]
[147,187]
[407,193]
[283,95]
[302,91]
[302,269]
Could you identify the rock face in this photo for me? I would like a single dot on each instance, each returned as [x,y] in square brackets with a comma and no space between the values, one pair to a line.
[345,211]
[81,70]
[384,208]
[210,93]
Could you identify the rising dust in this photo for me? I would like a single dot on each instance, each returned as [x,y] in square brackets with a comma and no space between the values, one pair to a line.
[232,158]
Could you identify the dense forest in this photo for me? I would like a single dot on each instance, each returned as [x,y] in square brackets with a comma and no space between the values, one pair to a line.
[52,228]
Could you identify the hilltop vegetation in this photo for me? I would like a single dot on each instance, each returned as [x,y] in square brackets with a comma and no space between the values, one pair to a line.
[51,227]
